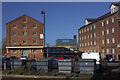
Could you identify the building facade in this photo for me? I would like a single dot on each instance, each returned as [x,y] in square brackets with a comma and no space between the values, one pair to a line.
[67,43]
[102,34]
[24,37]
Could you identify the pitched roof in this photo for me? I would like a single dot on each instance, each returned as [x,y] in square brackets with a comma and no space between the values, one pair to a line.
[100,18]
[90,19]
[116,4]
[21,17]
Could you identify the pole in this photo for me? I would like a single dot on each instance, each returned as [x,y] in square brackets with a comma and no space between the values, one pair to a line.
[44,29]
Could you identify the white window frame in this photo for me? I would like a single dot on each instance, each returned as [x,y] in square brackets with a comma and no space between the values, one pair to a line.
[108,41]
[85,37]
[94,42]
[85,30]
[107,22]
[94,34]
[113,30]
[88,29]
[113,20]
[91,43]
[94,27]
[85,43]
[91,35]
[102,32]
[88,43]
[88,36]
[103,51]
[103,41]
[102,23]
[91,28]
[113,50]
[113,40]
[107,31]
[108,51]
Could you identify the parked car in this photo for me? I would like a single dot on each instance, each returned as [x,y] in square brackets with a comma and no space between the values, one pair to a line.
[101,63]
[7,61]
[13,58]
[110,58]
[23,58]
[58,56]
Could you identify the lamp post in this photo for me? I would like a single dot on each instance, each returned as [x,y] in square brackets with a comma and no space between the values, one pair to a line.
[43,12]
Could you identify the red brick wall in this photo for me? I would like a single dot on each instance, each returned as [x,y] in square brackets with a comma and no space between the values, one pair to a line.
[99,37]
[19,32]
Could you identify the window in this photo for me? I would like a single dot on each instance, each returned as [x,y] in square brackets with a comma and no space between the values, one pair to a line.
[113,40]
[24,42]
[94,26]
[85,44]
[88,36]
[14,26]
[107,22]
[14,42]
[14,33]
[34,51]
[34,41]
[107,31]
[91,28]
[113,30]
[14,51]
[82,31]
[102,32]
[91,35]
[113,50]
[80,45]
[102,23]
[103,51]
[108,51]
[107,41]
[34,33]
[25,20]
[80,38]
[24,26]
[94,34]
[102,41]
[34,26]
[91,50]
[88,43]
[94,50]
[85,37]
[112,20]
[24,33]
[91,43]
[94,42]
[87,29]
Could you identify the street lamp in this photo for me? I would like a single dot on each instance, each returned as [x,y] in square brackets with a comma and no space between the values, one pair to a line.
[43,12]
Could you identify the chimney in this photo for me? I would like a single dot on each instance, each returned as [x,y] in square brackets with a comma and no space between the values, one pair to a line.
[74,37]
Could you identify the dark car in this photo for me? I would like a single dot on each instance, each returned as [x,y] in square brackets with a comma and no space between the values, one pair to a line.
[7,61]
[110,58]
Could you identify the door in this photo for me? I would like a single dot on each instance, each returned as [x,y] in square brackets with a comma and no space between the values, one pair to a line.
[25,53]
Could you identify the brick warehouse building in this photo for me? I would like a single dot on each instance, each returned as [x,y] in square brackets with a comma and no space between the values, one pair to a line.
[24,38]
[102,34]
